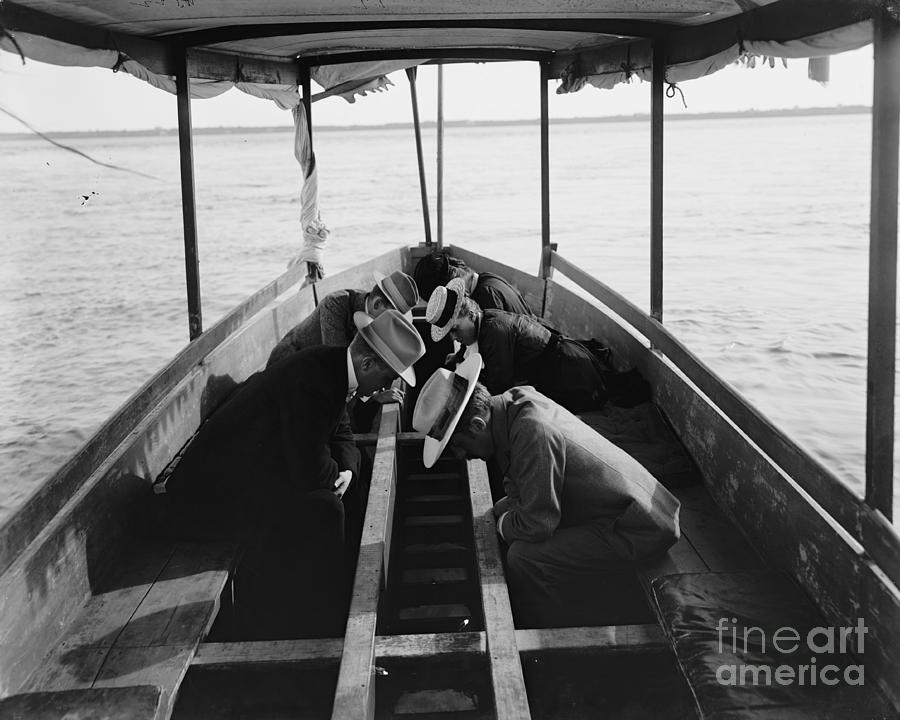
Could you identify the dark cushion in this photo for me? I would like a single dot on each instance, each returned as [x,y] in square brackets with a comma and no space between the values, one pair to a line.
[706,615]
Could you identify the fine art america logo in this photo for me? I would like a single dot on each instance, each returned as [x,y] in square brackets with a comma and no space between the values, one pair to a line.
[799,650]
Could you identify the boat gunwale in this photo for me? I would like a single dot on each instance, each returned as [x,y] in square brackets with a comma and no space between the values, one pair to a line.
[866,525]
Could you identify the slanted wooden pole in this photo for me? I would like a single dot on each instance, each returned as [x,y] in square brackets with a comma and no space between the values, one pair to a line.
[440,158]
[883,264]
[426,216]
[545,171]
[656,181]
[188,204]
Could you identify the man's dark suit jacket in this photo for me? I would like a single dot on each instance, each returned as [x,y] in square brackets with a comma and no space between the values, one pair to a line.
[282,433]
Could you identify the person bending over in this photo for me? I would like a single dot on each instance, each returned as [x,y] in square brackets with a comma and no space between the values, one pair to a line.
[575,504]
[518,349]
[276,469]
[331,322]
[488,290]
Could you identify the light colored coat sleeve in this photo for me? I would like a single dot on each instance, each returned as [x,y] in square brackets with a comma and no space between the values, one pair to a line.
[537,471]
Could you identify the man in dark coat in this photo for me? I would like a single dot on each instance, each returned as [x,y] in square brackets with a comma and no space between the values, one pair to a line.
[276,468]
[490,291]
[331,322]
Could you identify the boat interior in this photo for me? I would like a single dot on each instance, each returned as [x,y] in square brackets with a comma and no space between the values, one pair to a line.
[123,621]
[102,617]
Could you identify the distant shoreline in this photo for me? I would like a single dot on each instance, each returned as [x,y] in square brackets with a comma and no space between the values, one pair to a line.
[636,117]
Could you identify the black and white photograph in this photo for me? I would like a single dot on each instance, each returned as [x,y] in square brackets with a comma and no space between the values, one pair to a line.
[449,360]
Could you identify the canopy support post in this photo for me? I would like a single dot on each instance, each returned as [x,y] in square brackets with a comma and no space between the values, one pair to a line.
[546,249]
[440,158]
[883,264]
[426,216]
[656,181]
[188,204]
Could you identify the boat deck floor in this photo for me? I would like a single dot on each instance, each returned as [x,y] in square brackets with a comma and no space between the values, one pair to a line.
[431,630]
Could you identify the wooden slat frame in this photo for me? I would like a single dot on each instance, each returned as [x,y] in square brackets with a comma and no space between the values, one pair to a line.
[355,693]
[607,638]
[860,521]
[507,680]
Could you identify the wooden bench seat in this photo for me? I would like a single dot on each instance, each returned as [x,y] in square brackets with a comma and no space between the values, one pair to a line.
[140,628]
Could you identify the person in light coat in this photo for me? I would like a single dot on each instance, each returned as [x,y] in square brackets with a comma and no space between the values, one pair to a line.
[575,503]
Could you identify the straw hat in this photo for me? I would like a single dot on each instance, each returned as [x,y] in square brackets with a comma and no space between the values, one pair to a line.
[400,290]
[394,338]
[443,307]
[441,403]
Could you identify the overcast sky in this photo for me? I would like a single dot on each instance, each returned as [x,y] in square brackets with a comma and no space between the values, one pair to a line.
[60,98]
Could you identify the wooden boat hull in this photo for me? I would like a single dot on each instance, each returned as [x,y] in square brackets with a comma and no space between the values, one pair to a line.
[58,549]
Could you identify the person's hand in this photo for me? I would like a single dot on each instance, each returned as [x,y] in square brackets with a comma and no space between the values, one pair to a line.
[342,482]
[389,395]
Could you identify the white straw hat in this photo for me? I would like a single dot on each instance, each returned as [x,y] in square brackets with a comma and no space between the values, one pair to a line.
[443,307]
[441,403]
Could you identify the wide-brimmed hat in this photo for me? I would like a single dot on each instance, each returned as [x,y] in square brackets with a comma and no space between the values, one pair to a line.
[400,290]
[441,403]
[394,338]
[443,307]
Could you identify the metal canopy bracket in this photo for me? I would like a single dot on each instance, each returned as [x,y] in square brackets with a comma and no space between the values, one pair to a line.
[188,205]
[883,265]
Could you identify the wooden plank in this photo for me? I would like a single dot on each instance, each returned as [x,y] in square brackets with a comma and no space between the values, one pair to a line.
[432,612]
[355,693]
[718,542]
[510,697]
[824,487]
[430,645]
[188,205]
[882,325]
[440,576]
[76,661]
[320,651]
[133,702]
[329,650]
[433,520]
[158,643]
[604,638]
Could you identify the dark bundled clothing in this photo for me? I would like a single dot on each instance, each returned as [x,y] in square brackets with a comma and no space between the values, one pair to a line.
[261,470]
[330,323]
[518,349]
[282,433]
[492,292]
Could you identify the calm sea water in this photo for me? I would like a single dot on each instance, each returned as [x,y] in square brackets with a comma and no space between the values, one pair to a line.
[765,274]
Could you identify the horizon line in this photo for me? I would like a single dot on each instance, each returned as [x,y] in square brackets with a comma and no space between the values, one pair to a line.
[633,117]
